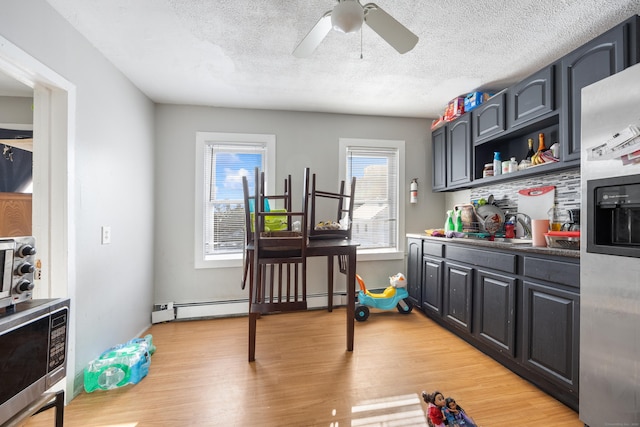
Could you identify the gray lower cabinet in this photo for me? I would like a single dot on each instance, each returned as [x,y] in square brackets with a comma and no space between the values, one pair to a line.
[551,322]
[550,334]
[458,289]
[495,311]
[432,269]
[520,308]
[414,271]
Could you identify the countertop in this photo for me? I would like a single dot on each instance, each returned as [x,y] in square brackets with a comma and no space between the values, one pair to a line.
[516,247]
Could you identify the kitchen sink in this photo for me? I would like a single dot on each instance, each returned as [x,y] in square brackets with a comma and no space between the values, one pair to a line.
[513,241]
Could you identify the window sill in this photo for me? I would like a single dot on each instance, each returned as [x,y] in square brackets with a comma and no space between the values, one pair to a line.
[220,261]
[379,254]
[235,260]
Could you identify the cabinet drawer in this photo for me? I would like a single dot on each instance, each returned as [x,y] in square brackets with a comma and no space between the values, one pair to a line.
[564,273]
[433,249]
[494,260]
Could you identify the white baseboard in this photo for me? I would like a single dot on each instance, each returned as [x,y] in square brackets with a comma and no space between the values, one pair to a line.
[241,307]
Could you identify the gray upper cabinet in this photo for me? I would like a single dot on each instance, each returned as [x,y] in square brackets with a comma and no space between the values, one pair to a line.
[488,118]
[531,98]
[439,138]
[459,167]
[602,57]
[548,101]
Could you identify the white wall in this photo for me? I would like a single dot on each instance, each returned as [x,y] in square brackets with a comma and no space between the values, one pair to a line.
[113,157]
[16,110]
[303,140]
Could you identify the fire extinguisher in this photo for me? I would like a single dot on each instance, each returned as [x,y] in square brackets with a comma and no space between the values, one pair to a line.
[413,190]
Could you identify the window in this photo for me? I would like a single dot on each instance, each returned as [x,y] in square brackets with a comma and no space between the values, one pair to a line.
[221,161]
[378,207]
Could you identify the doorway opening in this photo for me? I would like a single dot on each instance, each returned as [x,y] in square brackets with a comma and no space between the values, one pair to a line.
[53,177]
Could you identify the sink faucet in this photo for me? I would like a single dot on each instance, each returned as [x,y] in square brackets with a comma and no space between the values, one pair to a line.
[525,221]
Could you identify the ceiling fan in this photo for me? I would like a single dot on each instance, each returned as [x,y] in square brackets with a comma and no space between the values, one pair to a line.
[347,17]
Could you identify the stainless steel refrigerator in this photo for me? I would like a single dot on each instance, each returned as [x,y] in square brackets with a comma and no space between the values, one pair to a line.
[610,252]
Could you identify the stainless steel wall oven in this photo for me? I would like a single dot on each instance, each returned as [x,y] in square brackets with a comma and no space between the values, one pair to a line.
[16,270]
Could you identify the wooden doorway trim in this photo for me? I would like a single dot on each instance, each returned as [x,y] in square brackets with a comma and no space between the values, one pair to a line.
[54,100]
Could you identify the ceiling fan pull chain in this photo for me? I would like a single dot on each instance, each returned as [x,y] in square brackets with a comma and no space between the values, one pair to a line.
[360,42]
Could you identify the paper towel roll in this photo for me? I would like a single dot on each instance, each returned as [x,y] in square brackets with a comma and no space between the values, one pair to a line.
[538,228]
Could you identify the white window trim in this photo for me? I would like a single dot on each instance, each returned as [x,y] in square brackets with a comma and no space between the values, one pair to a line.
[344,143]
[202,139]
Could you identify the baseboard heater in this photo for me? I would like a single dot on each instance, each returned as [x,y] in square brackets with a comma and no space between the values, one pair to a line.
[205,310]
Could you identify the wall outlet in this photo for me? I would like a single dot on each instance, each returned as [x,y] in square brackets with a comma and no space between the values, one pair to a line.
[106,234]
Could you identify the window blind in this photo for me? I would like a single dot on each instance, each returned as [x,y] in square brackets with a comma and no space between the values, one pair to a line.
[225,165]
[375,210]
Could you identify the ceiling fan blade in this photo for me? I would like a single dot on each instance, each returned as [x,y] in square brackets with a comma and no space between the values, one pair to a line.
[393,32]
[313,39]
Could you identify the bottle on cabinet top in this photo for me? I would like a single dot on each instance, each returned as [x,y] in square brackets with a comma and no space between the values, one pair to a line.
[541,146]
[530,153]
[497,163]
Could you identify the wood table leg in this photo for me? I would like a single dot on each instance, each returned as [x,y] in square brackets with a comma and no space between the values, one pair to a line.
[330,283]
[351,297]
[253,317]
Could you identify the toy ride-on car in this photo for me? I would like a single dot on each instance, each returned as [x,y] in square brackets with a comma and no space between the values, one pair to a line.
[395,295]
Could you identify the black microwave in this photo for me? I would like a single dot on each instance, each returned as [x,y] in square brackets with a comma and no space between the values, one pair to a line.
[33,352]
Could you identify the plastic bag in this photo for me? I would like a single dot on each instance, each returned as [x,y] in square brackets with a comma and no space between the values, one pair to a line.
[120,365]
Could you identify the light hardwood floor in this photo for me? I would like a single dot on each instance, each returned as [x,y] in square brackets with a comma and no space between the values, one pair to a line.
[303,376]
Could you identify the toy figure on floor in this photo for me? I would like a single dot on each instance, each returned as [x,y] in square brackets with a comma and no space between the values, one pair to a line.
[436,404]
[455,415]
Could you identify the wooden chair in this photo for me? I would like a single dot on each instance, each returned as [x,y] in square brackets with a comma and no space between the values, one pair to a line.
[249,202]
[341,202]
[279,262]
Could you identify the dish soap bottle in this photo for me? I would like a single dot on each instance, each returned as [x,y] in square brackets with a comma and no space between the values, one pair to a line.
[459,226]
[448,225]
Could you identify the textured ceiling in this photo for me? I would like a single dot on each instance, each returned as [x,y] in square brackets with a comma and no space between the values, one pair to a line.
[237,53]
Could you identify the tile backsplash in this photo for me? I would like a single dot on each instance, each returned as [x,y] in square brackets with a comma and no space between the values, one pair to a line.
[567,185]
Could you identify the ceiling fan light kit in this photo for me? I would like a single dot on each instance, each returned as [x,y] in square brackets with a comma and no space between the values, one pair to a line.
[347,17]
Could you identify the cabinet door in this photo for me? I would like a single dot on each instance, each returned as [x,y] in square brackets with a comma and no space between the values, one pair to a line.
[600,58]
[488,119]
[432,285]
[414,271]
[458,287]
[495,311]
[459,151]
[550,335]
[531,98]
[439,140]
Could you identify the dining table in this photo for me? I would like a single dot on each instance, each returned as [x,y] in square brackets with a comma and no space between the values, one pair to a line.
[345,250]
